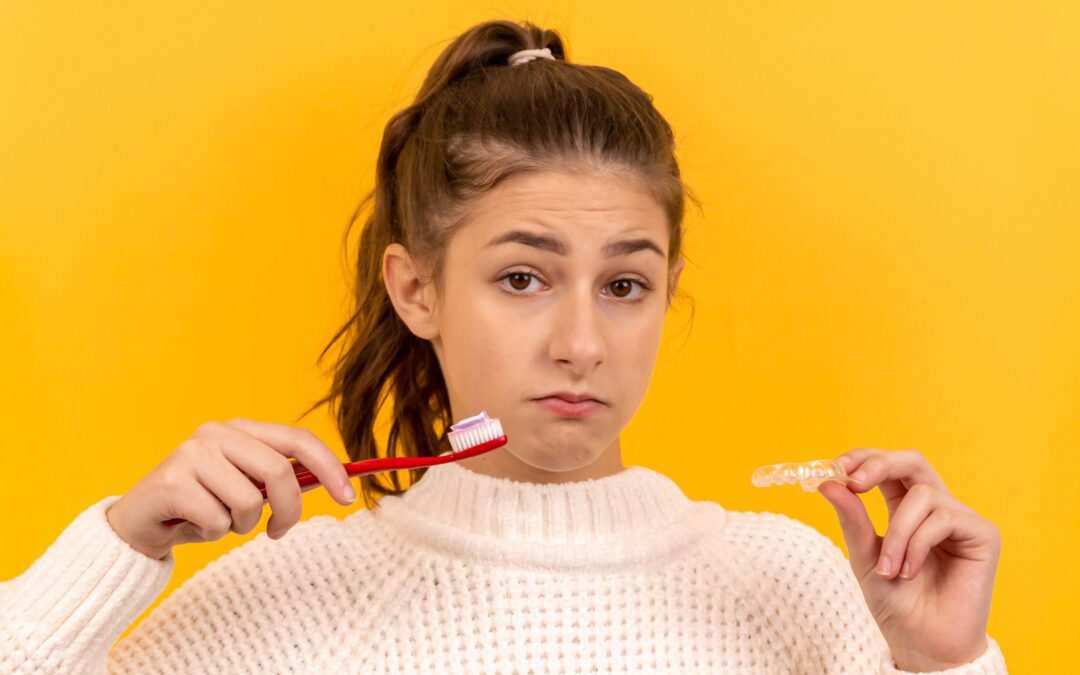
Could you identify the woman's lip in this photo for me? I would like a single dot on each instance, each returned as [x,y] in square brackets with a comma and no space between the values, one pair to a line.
[564,408]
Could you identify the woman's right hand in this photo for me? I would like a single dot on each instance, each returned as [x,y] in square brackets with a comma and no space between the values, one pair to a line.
[207,481]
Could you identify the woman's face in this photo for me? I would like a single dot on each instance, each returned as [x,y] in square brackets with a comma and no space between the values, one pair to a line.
[540,297]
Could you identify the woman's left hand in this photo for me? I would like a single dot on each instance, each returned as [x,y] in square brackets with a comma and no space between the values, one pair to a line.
[933,615]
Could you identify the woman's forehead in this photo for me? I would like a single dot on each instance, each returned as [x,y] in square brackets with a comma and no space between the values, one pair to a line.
[558,190]
[567,206]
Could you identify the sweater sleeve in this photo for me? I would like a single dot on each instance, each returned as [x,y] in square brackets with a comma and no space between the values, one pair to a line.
[65,611]
[837,630]
[261,607]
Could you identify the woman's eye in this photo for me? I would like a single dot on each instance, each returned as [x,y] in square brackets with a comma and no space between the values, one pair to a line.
[625,287]
[519,281]
[621,288]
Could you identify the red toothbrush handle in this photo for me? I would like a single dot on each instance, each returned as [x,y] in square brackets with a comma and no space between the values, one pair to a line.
[309,481]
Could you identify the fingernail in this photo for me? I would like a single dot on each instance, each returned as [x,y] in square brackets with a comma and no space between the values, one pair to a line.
[883,566]
[857,477]
[350,494]
[905,571]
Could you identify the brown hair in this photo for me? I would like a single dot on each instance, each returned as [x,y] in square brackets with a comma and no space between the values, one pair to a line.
[476,121]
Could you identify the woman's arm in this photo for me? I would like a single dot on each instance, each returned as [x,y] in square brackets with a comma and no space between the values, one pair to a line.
[263,606]
[68,608]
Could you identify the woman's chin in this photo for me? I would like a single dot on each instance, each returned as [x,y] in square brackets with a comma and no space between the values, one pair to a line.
[560,455]
[556,463]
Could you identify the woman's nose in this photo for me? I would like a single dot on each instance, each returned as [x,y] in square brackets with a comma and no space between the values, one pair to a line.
[578,332]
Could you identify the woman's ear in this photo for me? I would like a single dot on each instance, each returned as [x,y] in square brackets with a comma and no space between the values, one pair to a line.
[413,299]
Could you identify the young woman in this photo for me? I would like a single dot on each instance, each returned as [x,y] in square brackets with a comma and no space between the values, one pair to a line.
[523,249]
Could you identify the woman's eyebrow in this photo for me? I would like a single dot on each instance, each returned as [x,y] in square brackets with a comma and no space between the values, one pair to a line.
[546,243]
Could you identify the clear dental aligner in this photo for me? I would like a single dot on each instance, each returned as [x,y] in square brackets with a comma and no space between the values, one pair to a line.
[808,474]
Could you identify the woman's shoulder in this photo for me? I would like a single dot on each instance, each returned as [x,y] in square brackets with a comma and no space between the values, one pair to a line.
[317,538]
[766,539]
[773,555]
[315,553]
[755,524]
[352,535]
[317,577]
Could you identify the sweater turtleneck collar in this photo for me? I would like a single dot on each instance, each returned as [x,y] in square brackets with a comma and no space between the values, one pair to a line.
[632,517]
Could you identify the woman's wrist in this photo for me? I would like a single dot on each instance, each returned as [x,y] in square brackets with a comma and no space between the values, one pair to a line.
[921,663]
[113,515]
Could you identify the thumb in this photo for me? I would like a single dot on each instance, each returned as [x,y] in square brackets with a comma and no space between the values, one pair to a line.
[863,542]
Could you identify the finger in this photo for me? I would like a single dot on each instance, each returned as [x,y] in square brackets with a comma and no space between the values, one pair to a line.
[895,472]
[306,447]
[264,464]
[233,489]
[207,518]
[961,532]
[853,459]
[913,510]
[931,531]
[862,540]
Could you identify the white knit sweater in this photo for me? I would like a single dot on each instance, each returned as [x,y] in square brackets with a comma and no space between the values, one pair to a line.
[465,573]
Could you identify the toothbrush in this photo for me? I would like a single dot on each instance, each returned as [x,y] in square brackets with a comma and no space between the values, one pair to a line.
[470,437]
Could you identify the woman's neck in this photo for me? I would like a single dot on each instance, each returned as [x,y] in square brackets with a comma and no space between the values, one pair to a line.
[505,463]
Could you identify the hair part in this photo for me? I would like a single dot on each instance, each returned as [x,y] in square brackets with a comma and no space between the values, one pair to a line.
[475,122]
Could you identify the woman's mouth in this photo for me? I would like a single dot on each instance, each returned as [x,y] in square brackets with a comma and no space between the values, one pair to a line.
[564,408]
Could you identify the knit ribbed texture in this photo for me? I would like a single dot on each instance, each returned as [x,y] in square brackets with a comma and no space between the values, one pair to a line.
[73,602]
[465,573]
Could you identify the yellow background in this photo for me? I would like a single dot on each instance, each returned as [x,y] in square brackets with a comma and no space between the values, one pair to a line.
[891,214]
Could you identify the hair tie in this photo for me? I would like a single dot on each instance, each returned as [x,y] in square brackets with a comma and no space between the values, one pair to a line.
[526,55]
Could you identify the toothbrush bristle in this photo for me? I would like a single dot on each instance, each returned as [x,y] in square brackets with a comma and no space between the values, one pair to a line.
[464,439]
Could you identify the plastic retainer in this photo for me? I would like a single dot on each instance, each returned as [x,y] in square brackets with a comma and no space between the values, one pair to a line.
[808,474]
